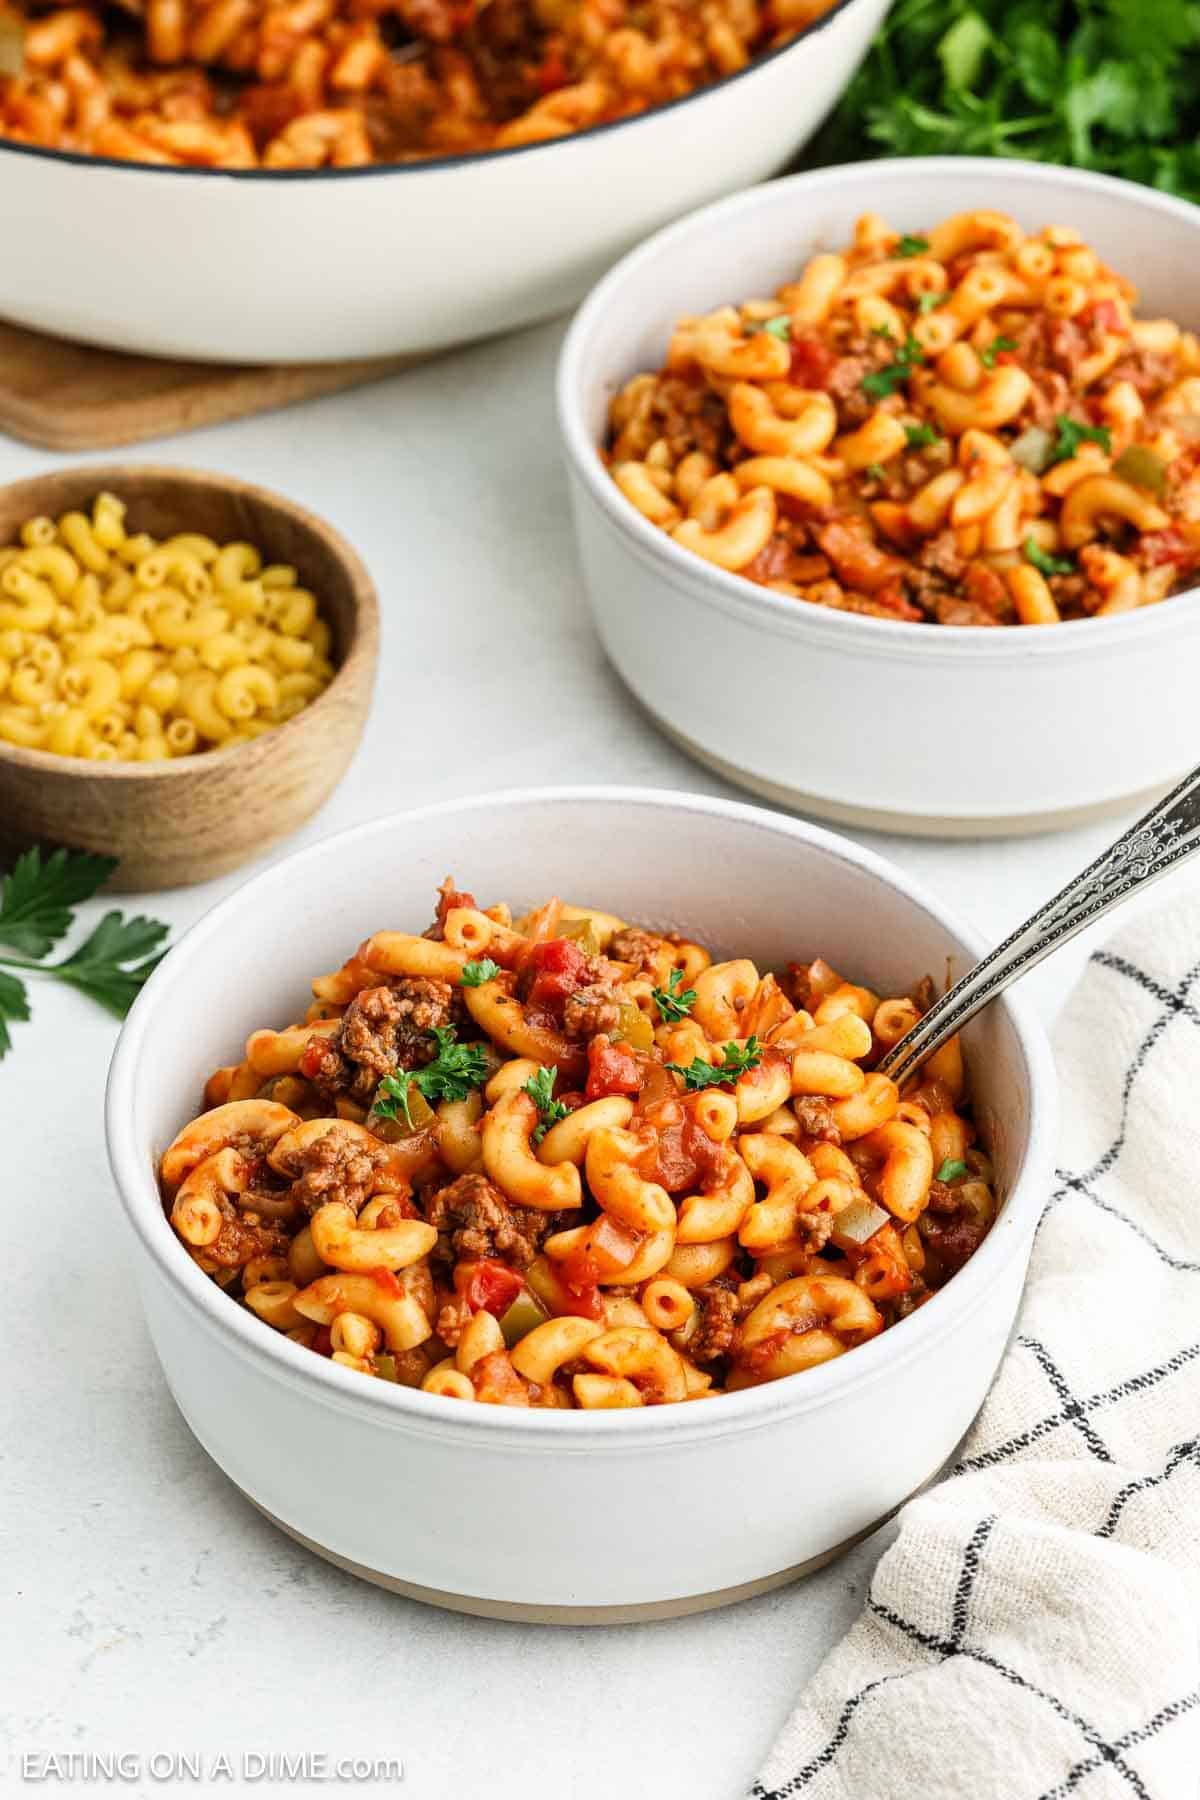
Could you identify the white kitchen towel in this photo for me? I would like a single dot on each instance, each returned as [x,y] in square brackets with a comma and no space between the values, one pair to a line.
[1034,1631]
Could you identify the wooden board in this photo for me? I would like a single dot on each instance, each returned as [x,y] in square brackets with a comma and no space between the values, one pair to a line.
[67,397]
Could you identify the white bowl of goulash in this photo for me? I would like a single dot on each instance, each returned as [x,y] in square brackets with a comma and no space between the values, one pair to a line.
[357,178]
[540,1240]
[887,488]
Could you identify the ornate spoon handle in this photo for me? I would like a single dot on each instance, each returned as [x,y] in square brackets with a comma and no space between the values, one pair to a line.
[1166,835]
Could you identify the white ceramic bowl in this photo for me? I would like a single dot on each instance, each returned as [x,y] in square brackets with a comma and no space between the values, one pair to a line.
[925,728]
[309,266]
[571,1516]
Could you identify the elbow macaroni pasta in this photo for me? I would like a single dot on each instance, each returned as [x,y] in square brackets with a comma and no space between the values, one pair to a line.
[968,428]
[618,1228]
[286,84]
[114,647]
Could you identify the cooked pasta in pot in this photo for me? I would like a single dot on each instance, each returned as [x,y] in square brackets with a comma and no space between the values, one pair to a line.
[563,1161]
[971,426]
[290,84]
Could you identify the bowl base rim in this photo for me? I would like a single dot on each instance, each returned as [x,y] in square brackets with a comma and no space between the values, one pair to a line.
[906,824]
[640,1613]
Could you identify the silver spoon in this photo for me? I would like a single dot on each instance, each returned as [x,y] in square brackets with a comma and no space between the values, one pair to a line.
[1164,836]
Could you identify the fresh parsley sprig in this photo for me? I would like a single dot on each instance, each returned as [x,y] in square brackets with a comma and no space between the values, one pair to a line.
[912,246]
[474,974]
[674,1002]
[919,437]
[37,905]
[990,352]
[1071,434]
[454,1071]
[736,1059]
[1043,561]
[1104,84]
[880,383]
[779,327]
[540,1088]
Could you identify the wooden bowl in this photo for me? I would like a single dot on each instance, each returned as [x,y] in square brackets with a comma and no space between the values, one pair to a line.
[185,820]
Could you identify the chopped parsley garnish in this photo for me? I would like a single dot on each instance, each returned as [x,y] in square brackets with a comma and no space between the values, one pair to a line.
[950,1170]
[540,1088]
[37,908]
[674,1002]
[474,974]
[1071,434]
[876,471]
[736,1060]
[929,302]
[882,382]
[454,1071]
[912,246]
[1041,559]
[779,327]
[990,352]
[921,436]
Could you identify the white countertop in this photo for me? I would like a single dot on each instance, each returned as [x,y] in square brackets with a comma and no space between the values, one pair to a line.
[148,1608]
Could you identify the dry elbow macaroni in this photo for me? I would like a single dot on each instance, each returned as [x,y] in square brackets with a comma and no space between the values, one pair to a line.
[969,427]
[116,647]
[501,1162]
[339,83]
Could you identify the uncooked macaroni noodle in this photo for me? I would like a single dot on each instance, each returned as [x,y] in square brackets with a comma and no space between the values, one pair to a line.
[340,83]
[970,426]
[120,648]
[562,1161]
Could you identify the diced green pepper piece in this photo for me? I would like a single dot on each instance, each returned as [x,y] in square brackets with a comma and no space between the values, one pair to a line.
[634,1028]
[385,1366]
[857,1222]
[583,933]
[1144,468]
[525,1312]
[1033,450]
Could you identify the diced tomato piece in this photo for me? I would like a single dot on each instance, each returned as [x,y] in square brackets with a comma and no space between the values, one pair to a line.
[1103,315]
[1168,546]
[812,361]
[612,1069]
[684,1157]
[313,1055]
[497,1383]
[323,1342]
[384,1278]
[582,1300]
[487,1285]
[860,563]
[894,597]
[558,968]
[553,73]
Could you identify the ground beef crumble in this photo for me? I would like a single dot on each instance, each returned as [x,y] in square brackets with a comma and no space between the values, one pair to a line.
[336,1166]
[383,1029]
[475,1220]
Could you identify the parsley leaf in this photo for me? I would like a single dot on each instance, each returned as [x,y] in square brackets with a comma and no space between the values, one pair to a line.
[912,246]
[115,962]
[990,352]
[1071,434]
[921,436]
[735,1060]
[474,974]
[876,471]
[14,1005]
[930,302]
[882,382]
[779,327]
[674,1002]
[36,910]
[454,1071]
[37,898]
[540,1088]
[950,1170]
[1041,559]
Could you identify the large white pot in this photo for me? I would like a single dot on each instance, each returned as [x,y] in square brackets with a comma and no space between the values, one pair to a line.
[570,1515]
[928,728]
[305,266]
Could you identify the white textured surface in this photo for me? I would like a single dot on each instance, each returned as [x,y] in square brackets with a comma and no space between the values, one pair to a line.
[147,1608]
